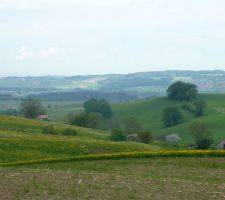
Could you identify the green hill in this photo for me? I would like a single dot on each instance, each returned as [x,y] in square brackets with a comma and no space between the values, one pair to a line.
[21,139]
[149,113]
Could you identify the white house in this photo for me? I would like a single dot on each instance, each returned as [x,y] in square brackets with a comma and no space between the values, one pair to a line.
[42,117]
[221,145]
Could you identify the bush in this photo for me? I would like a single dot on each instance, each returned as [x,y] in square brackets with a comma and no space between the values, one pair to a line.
[197,107]
[172,116]
[200,107]
[188,106]
[201,134]
[31,108]
[69,131]
[145,136]
[49,129]
[118,135]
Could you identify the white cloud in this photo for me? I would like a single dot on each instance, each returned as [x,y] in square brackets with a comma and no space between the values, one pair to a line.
[49,52]
[24,53]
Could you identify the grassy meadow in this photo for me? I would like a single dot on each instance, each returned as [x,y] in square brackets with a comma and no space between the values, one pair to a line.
[21,139]
[90,166]
[57,111]
[149,113]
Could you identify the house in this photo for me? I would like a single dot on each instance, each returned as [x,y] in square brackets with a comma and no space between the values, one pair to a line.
[42,117]
[174,138]
[221,145]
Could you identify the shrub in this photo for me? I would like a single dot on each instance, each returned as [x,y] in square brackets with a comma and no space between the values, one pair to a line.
[69,131]
[199,107]
[145,136]
[49,129]
[188,106]
[118,135]
[31,107]
[201,134]
[171,116]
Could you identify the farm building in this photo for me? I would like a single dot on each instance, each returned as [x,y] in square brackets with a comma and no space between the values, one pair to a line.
[42,117]
[221,145]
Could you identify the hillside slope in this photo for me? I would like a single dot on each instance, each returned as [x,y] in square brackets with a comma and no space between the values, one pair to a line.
[149,113]
[21,140]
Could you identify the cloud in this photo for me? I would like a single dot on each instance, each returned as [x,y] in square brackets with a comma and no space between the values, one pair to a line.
[24,54]
[49,52]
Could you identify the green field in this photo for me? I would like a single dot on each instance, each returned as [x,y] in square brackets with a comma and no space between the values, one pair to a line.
[21,140]
[58,110]
[109,170]
[149,113]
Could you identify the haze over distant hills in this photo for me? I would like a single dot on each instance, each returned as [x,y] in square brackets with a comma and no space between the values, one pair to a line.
[115,87]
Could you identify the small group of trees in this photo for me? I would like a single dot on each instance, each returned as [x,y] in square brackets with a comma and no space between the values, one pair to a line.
[129,128]
[182,92]
[97,114]
[145,136]
[98,106]
[196,107]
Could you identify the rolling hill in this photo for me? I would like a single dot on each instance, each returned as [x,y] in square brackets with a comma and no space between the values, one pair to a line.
[21,139]
[149,113]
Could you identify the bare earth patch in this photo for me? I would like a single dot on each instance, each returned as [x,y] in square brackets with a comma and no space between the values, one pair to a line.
[162,178]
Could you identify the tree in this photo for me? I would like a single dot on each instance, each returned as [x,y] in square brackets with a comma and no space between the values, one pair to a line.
[199,107]
[89,120]
[171,116]
[118,135]
[181,91]
[94,120]
[201,134]
[31,107]
[91,105]
[79,120]
[104,108]
[98,106]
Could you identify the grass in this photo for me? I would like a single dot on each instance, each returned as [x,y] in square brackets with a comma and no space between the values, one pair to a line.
[57,112]
[149,113]
[161,178]
[21,140]
[122,155]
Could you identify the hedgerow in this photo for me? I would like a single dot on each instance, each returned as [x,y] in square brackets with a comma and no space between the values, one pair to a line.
[147,154]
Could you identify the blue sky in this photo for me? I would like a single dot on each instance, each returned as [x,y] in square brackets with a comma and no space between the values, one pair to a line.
[68,37]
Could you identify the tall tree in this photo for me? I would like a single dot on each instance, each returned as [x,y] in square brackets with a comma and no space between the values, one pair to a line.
[181,91]
[98,106]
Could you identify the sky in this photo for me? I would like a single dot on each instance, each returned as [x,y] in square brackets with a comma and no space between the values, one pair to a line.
[79,37]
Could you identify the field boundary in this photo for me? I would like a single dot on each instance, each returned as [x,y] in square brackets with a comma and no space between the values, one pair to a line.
[122,155]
